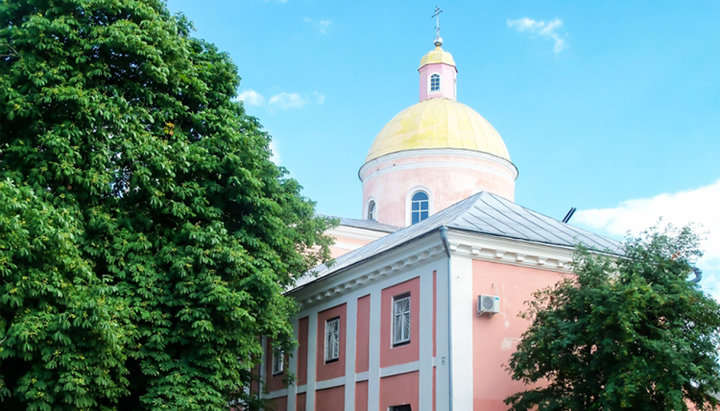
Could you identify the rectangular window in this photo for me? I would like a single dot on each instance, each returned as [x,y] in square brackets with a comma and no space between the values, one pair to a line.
[405,407]
[332,339]
[277,362]
[401,320]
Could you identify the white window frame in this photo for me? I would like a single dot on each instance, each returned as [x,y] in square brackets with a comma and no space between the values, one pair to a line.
[400,319]
[332,339]
[430,77]
[278,361]
[372,210]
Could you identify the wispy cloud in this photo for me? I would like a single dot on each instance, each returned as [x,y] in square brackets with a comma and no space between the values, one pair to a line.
[697,206]
[274,153]
[284,100]
[319,98]
[251,98]
[321,25]
[542,28]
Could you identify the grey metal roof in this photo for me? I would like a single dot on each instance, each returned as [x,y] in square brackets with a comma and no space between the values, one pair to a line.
[481,213]
[368,225]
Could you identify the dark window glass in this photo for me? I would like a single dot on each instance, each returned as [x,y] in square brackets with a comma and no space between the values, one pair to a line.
[420,206]
[372,211]
[435,82]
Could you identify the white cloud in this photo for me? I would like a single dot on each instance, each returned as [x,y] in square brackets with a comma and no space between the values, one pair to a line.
[319,98]
[320,25]
[251,98]
[697,206]
[274,153]
[287,100]
[284,100]
[541,28]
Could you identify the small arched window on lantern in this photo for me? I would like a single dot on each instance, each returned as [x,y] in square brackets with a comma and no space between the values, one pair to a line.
[435,82]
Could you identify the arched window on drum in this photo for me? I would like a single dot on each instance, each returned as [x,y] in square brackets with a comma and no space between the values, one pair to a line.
[419,207]
[372,211]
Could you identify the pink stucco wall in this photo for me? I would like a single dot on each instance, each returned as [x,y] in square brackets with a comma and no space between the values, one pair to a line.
[302,351]
[361,396]
[391,180]
[300,402]
[330,399]
[362,343]
[334,369]
[495,338]
[278,404]
[344,244]
[390,355]
[448,81]
[273,382]
[399,390]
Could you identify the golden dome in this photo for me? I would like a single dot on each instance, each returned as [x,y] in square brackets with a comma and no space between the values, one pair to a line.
[438,123]
[437,56]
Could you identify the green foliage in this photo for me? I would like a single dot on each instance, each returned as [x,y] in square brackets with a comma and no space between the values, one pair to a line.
[625,333]
[145,236]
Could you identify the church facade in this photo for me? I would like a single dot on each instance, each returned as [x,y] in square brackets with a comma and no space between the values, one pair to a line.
[420,309]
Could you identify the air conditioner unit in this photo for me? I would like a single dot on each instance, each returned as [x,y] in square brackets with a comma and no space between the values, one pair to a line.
[488,304]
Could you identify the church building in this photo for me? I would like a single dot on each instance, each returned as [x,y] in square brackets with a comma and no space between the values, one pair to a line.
[419,310]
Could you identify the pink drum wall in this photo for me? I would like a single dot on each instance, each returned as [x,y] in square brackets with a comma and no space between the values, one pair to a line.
[391,180]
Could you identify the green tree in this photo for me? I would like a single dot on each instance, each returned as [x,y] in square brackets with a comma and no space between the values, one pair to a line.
[146,237]
[624,333]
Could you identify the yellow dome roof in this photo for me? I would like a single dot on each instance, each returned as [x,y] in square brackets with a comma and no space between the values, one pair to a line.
[437,56]
[438,123]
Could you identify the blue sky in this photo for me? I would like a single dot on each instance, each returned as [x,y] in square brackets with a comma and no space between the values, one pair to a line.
[612,107]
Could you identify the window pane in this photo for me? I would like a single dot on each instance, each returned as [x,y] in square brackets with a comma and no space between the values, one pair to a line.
[371,211]
[332,339]
[419,207]
[419,196]
[435,82]
[406,326]
[401,320]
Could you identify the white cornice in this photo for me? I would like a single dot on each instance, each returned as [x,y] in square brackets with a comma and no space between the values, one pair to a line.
[386,264]
[510,251]
[422,250]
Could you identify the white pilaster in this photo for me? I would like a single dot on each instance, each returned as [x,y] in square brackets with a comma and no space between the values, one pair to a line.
[442,360]
[461,319]
[374,354]
[312,355]
[426,340]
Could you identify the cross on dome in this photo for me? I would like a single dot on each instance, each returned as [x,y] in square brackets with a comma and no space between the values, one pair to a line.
[438,39]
